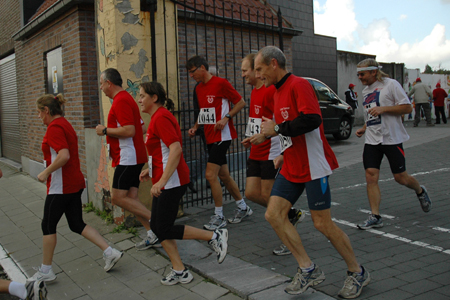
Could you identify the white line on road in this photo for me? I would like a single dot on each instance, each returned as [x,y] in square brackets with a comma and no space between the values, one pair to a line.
[441,229]
[396,237]
[390,179]
[10,267]
[383,215]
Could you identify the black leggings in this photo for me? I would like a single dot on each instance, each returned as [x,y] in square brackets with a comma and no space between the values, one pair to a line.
[164,214]
[58,204]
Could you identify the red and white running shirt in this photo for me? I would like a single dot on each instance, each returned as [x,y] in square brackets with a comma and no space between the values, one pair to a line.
[261,104]
[162,132]
[68,179]
[126,151]
[218,93]
[310,156]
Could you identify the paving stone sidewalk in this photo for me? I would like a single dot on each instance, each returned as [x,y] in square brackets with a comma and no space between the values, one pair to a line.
[409,258]
[77,262]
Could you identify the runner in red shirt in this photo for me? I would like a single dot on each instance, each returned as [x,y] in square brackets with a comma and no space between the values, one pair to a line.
[308,161]
[65,184]
[265,154]
[170,177]
[127,150]
[214,96]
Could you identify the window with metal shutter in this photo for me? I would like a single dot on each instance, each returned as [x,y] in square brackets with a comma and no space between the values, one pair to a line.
[9,110]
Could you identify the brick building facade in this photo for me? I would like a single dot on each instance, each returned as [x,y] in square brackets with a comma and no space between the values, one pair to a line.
[74,33]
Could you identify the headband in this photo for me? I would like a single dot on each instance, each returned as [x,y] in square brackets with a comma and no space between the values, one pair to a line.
[368,68]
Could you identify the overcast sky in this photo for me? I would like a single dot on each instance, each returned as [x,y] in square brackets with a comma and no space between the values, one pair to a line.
[414,32]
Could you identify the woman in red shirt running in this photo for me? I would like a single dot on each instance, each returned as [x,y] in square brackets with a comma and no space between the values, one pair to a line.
[170,177]
[65,184]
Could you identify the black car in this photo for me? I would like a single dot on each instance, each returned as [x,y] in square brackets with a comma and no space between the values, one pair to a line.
[337,115]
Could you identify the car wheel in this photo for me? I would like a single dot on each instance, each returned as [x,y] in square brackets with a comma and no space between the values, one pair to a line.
[345,129]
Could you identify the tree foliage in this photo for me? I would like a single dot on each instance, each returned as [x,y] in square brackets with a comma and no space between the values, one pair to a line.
[439,70]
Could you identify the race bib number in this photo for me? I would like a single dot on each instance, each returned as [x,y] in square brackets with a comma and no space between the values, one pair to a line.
[285,142]
[207,116]
[150,167]
[253,126]
[371,120]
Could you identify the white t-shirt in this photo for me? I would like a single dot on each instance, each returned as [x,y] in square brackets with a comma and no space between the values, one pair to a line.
[386,129]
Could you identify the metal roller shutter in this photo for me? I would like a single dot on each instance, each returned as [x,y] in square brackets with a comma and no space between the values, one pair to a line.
[9,110]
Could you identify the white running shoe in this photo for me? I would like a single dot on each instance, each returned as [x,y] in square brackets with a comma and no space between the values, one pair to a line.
[112,259]
[39,276]
[215,222]
[173,278]
[220,244]
[147,243]
[282,250]
[239,214]
[36,290]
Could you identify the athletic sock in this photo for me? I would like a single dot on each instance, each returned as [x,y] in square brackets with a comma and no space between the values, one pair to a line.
[45,268]
[219,211]
[214,236]
[178,272]
[151,234]
[308,269]
[108,251]
[241,204]
[17,289]
[377,216]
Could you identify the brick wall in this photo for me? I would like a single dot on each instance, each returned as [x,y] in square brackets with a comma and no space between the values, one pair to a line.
[313,55]
[9,24]
[74,32]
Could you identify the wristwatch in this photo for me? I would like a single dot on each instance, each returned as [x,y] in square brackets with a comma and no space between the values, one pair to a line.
[104,130]
[228,116]
[276,128]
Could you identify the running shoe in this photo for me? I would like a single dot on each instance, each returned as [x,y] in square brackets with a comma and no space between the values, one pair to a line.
[281,250]
[36,290]
[371,222]
[39,276]
[239,214]
[425,200]
[220,244]
[298,216]
[302,281]
[112,259]
[148,242]
[215,222]
[173,278]
[353,284]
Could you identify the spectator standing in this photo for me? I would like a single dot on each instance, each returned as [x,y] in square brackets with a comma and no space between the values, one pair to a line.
[439,96]
[351,97]
[422,95]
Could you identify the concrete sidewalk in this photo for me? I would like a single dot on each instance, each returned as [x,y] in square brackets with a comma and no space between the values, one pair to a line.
[78,263]
[409,258]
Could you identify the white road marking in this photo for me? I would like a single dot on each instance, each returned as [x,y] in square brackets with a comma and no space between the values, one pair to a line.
[396,237]
[441,229]
[10,267]
[392,178]
[382,215]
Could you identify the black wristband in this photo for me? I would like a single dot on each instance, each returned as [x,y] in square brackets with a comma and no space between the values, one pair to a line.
[104,130]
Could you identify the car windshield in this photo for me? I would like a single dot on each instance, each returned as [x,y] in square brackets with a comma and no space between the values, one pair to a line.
[323,91]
